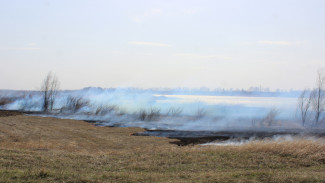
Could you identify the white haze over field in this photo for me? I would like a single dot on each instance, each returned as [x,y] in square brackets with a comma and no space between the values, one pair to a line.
[172,110]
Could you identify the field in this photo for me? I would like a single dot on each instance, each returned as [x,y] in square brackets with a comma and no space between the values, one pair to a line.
[38,149]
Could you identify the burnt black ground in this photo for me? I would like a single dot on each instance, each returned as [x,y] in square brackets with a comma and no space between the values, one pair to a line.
[5,113]
[200,137]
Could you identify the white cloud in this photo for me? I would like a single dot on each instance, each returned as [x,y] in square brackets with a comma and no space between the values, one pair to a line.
[142,43]
[281,43]
[199,56]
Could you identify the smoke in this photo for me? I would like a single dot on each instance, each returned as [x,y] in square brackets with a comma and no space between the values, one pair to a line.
[124,106]
[274,138]
[230,142]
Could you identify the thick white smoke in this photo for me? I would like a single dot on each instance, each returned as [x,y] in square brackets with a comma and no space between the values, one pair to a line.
[156,109]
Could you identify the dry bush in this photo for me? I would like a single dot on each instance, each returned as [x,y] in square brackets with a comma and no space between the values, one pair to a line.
[200,113]
[105,109]
[269,119]
[174,111]
[74,104]
[151,115]
[142,114]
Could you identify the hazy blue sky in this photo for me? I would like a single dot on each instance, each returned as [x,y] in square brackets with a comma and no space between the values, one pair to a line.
[162,43]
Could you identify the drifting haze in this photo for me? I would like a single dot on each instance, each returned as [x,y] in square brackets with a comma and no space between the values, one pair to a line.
[166,109]
[217,44]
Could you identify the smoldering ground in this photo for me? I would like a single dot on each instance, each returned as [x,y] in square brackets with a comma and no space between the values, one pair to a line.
[188,116]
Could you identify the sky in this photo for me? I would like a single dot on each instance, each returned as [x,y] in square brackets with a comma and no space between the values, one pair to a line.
[162,43]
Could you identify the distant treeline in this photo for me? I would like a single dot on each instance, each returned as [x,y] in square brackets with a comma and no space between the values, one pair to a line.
[256,92]
[202,91]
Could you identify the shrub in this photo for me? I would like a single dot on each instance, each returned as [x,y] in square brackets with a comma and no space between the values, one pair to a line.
[269,119]
[104,109]
[75,103]
[152,115]
[200,113]
[174,111]
[142,114]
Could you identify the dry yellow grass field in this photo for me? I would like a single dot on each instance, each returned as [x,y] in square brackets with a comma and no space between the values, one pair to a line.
[38,149]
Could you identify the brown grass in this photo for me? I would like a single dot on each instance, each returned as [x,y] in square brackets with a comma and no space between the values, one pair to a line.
[37,149]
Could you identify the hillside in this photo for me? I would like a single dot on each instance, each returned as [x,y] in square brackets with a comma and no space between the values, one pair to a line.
[38,149]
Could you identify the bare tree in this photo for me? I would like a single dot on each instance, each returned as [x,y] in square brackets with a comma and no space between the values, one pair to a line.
[49,89]
[304,106]
[318,96]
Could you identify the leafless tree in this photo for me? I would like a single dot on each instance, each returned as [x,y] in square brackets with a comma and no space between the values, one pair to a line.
[318,96]
[49,89]
[304,106]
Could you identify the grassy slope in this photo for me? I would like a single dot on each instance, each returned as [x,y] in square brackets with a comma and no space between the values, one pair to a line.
[36,149]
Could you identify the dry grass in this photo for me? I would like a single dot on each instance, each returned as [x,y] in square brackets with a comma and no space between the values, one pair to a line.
[36,149]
